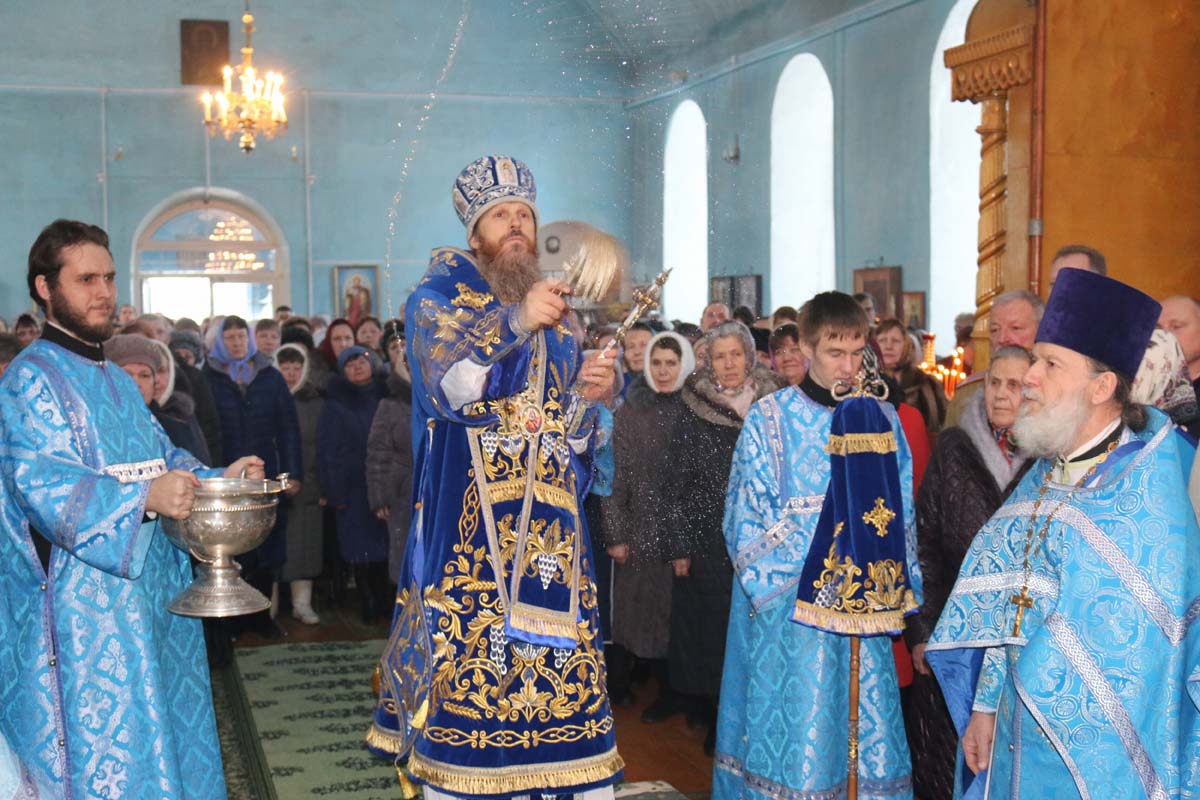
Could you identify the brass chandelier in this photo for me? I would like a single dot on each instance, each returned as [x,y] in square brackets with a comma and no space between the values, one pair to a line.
[257,105]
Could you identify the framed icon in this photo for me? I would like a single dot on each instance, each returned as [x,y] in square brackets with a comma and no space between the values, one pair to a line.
[356,291]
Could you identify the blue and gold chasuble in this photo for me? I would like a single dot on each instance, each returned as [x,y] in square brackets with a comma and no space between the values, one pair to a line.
[1096,696]
[783,723]
[103,692]
[494,678]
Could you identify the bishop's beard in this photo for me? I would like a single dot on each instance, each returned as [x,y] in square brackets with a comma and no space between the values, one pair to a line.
[510,273]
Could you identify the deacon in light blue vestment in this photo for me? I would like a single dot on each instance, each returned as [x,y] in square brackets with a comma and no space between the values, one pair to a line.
[103,692]
[1096,695]
[783,726]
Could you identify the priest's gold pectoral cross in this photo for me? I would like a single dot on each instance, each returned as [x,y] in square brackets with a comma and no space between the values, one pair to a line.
[1022,601]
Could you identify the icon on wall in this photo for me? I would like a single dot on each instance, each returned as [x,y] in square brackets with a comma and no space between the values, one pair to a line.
[203,51]
[356,291]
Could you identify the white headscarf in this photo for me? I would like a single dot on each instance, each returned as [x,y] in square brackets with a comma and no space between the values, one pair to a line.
[687,361]
[165,353]
[303,351]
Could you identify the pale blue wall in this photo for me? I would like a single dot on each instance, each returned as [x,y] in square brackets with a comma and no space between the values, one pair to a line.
[877,57]
[526,80]
[513,88]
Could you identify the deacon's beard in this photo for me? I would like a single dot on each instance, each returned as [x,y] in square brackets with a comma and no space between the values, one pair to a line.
[510,273]
[1048,433]
[76,323]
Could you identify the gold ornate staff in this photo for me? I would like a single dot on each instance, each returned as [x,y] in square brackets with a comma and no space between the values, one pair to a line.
[644,301]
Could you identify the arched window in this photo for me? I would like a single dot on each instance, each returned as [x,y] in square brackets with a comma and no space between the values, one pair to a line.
[803,254]
[685,213]
[953,189]
[197,258]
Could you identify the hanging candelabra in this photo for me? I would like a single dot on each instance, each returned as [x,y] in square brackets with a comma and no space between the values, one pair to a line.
[248,104]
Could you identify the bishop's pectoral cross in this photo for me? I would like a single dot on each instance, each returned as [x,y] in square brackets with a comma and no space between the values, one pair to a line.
[1022,601]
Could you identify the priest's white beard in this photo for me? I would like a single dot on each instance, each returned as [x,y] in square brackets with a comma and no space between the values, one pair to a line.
[1050,432]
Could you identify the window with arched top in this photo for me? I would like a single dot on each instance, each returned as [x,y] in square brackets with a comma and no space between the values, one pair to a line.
[953,189]
[197,258]
[685,213]
[803,249]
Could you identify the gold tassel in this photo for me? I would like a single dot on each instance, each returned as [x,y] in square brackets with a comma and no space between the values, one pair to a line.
[408,789]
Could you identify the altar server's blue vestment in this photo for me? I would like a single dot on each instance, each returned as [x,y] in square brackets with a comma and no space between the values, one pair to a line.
[103,692]
[1096,696]
[494,681]
[783,726]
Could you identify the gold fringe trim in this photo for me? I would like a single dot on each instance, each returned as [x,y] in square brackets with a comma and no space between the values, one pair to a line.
[507,490]
[561,624]
[554,496]
[517,779]
[870,624]
[543,492]
[384,741]
[856,443]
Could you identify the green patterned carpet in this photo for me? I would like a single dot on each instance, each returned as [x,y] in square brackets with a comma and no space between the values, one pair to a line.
[291,718]
[312,703]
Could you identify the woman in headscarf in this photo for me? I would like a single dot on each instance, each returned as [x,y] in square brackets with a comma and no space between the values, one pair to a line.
[304,542]
[641,601]
[1163,381]
[351,400]
[716,399]
[899,360]
[258,417]
[969,474]
[390,451]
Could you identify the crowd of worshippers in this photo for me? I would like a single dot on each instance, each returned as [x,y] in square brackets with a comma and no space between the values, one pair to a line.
[330,402]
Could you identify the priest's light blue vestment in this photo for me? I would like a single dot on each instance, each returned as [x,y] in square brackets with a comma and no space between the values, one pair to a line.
[1096,695]
[103,692]
[782,731]
[494,681]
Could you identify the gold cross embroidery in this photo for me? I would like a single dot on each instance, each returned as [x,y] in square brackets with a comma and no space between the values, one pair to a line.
[879,516]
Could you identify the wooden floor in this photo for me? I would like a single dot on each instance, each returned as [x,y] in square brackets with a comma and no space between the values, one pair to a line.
[666,751]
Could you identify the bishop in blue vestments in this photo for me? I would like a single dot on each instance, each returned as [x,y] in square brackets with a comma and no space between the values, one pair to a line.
[783,727]
[103,692]
[1067,651]
[494,678]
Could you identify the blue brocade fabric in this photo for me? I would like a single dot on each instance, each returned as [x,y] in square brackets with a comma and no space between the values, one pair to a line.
[103,692]
[1096,695]
[783,726]
[494,679]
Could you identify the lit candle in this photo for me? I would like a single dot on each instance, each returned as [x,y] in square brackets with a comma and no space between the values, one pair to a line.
[228,74]
[206,98]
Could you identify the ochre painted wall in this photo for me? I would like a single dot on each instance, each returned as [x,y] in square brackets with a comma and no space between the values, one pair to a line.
[1123,138]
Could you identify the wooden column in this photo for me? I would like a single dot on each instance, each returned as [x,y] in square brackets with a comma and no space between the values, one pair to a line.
[995,71]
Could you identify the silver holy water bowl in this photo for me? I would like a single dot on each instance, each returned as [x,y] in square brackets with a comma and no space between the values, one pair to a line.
[230,516]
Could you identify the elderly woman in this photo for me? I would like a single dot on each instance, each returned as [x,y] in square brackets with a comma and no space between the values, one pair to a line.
[971,468]
[642,590]
[899,357]
[716,399]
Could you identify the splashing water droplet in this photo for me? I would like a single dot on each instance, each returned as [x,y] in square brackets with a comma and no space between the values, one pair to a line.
[427,108]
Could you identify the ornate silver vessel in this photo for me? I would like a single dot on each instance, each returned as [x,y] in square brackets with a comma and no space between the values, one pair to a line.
[230,516]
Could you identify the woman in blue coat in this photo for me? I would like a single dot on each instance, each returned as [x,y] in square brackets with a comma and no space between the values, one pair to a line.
[351,398]
[258,417]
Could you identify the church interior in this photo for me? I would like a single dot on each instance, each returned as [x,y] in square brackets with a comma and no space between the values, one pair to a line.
[934,153]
